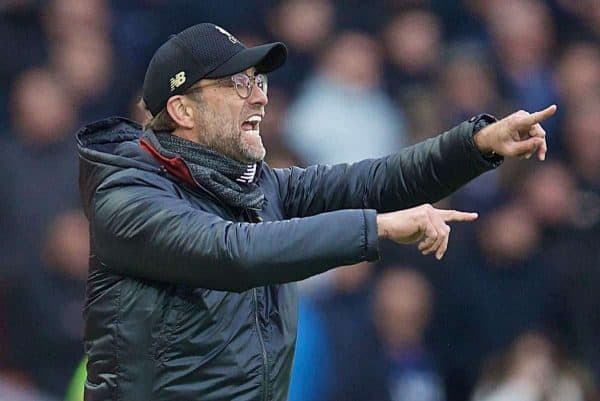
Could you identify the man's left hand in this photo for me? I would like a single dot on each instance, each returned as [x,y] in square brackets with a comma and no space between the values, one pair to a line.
[519,134]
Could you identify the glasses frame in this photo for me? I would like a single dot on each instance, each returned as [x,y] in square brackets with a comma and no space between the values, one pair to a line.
[238,86]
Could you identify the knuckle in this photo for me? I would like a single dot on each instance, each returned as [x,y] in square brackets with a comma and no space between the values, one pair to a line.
[425,211]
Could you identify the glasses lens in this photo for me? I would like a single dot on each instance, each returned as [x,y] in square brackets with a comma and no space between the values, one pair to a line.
[262,83]
[243,84]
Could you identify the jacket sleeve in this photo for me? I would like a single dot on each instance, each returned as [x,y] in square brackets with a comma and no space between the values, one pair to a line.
[145,230]
[422,173]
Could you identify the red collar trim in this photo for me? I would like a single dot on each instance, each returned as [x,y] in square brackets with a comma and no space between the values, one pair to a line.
[176,166]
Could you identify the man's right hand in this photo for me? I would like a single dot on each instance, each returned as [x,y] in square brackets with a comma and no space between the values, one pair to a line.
[424,224]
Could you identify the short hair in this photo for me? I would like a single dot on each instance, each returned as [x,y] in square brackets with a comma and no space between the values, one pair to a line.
[160,122]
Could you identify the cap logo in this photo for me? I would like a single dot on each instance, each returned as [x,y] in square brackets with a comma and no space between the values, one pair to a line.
[232,38]
[177,80]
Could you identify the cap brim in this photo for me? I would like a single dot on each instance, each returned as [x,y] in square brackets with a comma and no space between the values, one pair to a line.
[265,58]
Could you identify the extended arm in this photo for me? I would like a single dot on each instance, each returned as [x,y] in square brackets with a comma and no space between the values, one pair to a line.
[423,173]
[143,230]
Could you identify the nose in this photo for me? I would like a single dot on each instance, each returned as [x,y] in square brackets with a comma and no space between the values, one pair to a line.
[258,97]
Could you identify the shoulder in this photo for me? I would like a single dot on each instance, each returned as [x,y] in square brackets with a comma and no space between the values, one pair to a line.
[275,178]
[133,196]
[134,179]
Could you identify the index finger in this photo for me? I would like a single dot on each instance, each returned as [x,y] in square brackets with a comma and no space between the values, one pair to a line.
[542,115]
[455,215]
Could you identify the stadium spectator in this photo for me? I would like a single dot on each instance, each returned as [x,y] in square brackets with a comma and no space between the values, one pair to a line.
[384,330]
[532,370]
[65,20]
[304,26]
[84,65]
[522,33]
[345,311]
[576,77]
[38,167]
[580,297]
[584,17]
[47,307]
[496,288]
[551,196]
[578,72]
[402,307]
[582,125]
[64,62]
[344,100]
[413,43]
[19,29]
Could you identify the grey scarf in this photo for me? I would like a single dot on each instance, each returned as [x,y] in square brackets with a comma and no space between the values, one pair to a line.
[231,181]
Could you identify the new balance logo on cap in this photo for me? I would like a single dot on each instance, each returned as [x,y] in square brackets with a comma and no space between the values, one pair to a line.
[177,80]
[202,51]
[232,38]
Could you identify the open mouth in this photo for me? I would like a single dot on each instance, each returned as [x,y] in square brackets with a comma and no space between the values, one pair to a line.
[252,124]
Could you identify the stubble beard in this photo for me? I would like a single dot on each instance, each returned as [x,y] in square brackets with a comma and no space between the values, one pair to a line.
[224,135]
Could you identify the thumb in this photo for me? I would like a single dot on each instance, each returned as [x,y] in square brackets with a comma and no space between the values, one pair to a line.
[527,146]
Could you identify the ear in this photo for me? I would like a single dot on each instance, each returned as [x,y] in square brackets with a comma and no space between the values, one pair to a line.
[181,111]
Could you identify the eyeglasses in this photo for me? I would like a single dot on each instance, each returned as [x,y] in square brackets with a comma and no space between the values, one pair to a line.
[242,83]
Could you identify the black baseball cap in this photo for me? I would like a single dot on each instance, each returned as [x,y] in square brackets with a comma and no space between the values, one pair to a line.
[202,51]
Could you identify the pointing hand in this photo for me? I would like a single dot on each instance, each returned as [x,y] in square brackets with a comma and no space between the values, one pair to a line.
[519,134]
[424,224]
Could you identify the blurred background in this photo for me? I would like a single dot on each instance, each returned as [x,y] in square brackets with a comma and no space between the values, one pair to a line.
[511,312]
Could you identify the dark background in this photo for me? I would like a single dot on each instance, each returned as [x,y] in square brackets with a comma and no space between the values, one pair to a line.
[511,312]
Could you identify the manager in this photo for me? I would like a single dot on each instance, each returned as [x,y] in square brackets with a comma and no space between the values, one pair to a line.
[196,242]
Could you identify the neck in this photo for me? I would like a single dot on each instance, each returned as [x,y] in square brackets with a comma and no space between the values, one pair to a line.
[188,135]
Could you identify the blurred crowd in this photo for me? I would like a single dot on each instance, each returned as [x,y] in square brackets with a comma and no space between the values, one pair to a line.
[511,312]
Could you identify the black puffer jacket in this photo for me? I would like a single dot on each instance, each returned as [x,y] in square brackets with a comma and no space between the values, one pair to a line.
[189,300]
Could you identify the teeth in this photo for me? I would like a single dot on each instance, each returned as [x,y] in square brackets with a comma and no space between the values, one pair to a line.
[254,121]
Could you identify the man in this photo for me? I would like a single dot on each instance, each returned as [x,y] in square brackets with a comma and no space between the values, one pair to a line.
[196,243]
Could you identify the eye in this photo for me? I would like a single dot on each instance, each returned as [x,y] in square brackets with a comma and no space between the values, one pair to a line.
[261,81]
[241,79]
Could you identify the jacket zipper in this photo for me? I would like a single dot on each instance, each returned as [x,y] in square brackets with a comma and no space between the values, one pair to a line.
[258,329]
[255,293]
[262,346]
